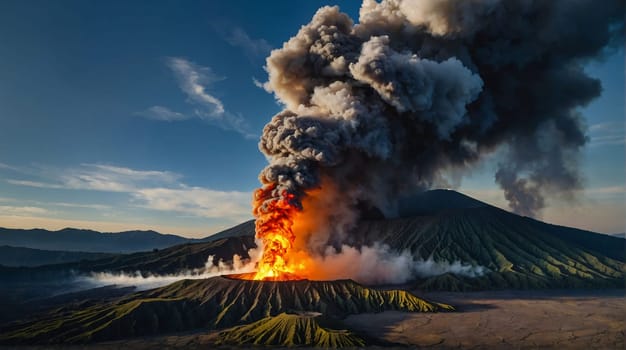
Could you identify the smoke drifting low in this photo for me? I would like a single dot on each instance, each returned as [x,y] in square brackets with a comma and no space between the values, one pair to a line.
[371,265]
[143,281]
[378,264]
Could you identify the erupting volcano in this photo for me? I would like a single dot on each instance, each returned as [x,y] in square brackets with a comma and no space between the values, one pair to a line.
[374,114]
[413,95]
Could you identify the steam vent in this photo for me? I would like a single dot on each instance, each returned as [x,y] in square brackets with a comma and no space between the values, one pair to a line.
[311,311]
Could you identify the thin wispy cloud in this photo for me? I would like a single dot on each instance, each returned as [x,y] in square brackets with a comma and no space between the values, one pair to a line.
[76,205]
[8,167]
[148,189]
[162,113]
[8,210]
[196,82]
[237,37]
[608,133]
[606,126]
[197,201]
[114,179]
[35,184]
[259,84]
[100,177]
[606,193]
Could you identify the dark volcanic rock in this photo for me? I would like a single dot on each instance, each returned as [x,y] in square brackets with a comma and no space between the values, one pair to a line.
[217,302]
[291,330]
[515,252]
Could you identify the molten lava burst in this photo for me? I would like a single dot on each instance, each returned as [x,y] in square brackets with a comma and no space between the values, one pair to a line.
[274,221]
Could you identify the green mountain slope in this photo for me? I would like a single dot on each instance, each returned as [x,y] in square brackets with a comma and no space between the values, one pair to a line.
[290,330]
[70,239]
[518,252]
[217,302]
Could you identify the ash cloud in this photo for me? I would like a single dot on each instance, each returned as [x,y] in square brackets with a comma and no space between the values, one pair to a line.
[418,90]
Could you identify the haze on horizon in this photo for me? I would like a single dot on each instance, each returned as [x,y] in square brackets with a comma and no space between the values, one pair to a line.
[120,116]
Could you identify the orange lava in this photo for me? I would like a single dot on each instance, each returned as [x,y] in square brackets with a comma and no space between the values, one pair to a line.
[252,276]
[274,221]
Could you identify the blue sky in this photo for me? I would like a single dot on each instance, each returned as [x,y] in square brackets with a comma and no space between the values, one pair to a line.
[145,115]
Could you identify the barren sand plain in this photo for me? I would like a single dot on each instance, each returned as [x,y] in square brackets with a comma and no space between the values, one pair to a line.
[508,320]
[563,319]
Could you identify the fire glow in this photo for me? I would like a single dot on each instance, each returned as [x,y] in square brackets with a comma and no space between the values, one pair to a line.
[274,227]
[409,95]
[288,224]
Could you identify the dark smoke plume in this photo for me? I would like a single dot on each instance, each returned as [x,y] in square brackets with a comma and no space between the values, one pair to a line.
[418,89]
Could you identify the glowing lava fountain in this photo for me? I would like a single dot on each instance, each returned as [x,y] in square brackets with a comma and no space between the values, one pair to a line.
[274,221]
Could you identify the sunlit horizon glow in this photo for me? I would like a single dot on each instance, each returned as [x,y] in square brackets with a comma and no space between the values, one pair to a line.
[606,206]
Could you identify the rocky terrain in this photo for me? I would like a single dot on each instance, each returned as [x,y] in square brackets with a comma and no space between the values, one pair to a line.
[213,303]
[291,330]
[558,319]
[552,319]
[507,252]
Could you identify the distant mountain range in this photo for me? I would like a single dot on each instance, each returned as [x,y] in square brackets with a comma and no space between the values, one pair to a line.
[442,226]
[18,256]
[38,247]
[76,240]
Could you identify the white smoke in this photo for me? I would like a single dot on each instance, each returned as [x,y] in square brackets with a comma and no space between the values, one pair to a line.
[143,281]
[371,265]
[430,267]
[378,264]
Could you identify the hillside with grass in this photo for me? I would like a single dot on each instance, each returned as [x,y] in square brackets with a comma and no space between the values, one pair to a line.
[291,330]
[515,252]
[213,303]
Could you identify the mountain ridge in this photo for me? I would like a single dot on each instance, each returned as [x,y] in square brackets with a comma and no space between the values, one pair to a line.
[30,257]
[213,303]
[89,241]
[516,251]
[70,239]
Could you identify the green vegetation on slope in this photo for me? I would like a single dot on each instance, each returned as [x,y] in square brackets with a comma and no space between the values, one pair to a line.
[290,330]
[519,252]
[215,303]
